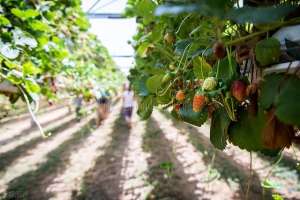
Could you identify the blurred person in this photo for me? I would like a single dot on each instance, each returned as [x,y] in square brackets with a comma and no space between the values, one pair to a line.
[78,100]
[128,102]
[103,106]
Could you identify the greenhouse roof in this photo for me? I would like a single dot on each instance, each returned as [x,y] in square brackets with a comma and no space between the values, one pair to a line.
[113,31]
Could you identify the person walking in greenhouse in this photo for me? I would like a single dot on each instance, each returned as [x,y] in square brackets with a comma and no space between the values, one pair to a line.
[103,106]
[128,101]
[78,104]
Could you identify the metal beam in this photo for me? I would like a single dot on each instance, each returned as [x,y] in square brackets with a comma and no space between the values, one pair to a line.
[91,8]
[105,15]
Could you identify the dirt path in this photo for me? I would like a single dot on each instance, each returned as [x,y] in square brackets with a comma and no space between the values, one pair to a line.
[69,180]
[23,116]
[103,181]
[134,165]
[33,134]
[190,161]
[157,159]
[32,185]
[36,156]
[22,147]
[10,132]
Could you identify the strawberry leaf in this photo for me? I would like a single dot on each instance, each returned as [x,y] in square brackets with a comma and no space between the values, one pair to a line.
[218,129]
[287,103]
[154,83]
[246,133]
[269,90]
[267,51]
[145,107]
[187,114]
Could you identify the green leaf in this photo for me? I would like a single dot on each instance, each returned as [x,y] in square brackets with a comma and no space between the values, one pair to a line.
[145,8]
[154,70]
[187,114]
[219,128]
[181,45]
[4,21]
[31,86]
[25,14]
[11,65]
[15,76]
[142,49]
[282,92]
[82,22]
[140,86]
[269,90]
[13,98]
[259,15]
[166,98]
[43,40]
[287,103]
[270,184]
[226,69]
[267,51]
[145,107]
[38,25]
[277,197]
[30,69]
[246,133]
[154,83]
[201,68]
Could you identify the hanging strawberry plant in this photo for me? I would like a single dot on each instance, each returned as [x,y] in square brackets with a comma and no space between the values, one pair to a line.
[45,49]
[42,41]
[234,62]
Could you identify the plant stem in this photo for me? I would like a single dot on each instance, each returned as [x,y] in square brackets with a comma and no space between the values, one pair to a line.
[182,22]
[31,113]
[217,75]
[247,37]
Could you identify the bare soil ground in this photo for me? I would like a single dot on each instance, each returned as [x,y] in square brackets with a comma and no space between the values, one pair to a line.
[158,159]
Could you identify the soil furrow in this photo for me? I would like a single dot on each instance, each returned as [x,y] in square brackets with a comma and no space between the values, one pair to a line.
[103,181]
[21,147]
[38,155]
[70,180]
[11,131]
[134,165]
[199,181]
[30,185]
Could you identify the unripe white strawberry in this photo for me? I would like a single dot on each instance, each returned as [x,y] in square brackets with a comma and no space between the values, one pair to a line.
[209,84]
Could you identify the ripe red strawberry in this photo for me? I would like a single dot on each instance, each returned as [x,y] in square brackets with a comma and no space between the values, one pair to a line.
[219,50]
[198,102]
[180,96]
[239,90]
